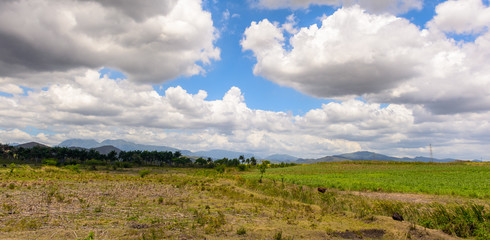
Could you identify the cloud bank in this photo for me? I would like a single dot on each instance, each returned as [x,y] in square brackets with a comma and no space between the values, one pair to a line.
[374,6]
[151,41]
[98,107]
[438,89]
[382,58]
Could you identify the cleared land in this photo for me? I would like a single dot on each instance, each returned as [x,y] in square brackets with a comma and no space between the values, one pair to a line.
[58,203]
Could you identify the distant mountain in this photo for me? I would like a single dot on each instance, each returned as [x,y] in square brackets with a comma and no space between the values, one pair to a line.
[30,145]
[219,154]
[107,149]
[277,158]
[81,143]
[323,159]
[365,155]
[119,144]
[371,156]
[129,146]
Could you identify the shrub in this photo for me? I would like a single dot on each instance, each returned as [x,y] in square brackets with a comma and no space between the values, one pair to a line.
[242,167]
[241,231]
[50,162]
[220,168]
[73,168]
[144,172]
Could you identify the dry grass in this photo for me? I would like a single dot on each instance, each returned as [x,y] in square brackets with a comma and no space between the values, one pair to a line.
[54,203]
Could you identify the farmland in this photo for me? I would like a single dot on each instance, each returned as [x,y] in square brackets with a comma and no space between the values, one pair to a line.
[459,179]
[74,202]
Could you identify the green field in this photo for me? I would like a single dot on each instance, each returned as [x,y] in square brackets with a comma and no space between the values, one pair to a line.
[461,179]
[80,202]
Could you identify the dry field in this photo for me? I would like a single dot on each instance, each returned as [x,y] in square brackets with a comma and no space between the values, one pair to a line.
[57,203]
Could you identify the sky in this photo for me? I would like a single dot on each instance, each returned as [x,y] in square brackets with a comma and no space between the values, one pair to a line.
[308,78]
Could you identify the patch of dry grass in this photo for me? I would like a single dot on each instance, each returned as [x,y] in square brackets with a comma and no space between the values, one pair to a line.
[55,203]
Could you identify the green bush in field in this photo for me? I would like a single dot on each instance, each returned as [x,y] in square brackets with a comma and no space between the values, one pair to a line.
[220,169]
[242,167]
[50,162]
[74,168]
[241,231]
[144,172]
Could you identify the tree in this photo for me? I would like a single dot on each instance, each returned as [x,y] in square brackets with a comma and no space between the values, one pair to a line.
[253,161]
[262,168]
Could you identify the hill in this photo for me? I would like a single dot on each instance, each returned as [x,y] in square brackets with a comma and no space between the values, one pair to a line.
[30,145]
[371,156]
[276,158]
[323,159]
[107,149]
[219,154]
[119,144]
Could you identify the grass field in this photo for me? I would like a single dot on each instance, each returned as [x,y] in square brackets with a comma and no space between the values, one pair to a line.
[461,179]
[171,203]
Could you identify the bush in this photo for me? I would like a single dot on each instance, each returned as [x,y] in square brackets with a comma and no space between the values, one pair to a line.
[220,168]
[73,168]
[241,231]
[144,172]
[242,167]
[50,162]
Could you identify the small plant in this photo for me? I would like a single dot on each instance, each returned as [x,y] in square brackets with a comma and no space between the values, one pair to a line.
[220,169]
[73,168]
[262,168]
[144,172]
[12,167]
[242,167]
[50,162]
[278,235]
[98,209]
[91,236]
[241,231]
[160,200]
[11,186]
[10,209]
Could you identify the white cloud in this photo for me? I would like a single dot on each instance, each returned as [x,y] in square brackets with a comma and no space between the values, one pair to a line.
[462,17]
[352,53]
[151,41]
[380,57]
[10,88]
[89,106]
[374,6]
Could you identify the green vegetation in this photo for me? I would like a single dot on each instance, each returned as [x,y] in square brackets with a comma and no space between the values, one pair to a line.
[461,179]
[49,199]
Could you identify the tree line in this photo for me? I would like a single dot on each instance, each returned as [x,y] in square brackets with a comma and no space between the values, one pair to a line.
[62,156]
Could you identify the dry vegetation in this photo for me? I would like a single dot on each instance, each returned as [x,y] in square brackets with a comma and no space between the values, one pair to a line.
[56,203]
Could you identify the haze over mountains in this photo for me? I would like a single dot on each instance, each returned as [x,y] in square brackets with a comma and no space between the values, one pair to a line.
[106,146]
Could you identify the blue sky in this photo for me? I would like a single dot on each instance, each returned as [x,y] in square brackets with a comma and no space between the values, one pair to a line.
[304,77]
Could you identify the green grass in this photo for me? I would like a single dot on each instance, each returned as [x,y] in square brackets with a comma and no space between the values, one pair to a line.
[461,179]
[56,203]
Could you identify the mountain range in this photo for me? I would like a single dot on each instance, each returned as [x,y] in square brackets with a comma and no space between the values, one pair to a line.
[107,146]
[371,156]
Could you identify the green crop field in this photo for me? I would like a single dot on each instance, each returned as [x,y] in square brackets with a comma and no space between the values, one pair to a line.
[461,179]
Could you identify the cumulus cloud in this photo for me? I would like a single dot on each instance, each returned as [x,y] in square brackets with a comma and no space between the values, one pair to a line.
[352,53]
[11,88]
[381,57]
[462,17]
[95,107]
[375,6]
[151,41]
